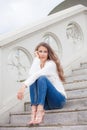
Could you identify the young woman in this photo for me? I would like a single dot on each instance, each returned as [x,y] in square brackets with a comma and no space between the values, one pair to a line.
[45,83]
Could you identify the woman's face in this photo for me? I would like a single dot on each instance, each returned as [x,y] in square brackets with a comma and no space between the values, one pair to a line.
[43,53]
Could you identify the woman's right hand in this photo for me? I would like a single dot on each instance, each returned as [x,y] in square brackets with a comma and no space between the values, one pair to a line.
[20,94]
[36,54]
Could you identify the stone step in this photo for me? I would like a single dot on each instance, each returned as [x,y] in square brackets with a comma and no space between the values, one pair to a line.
[75,85]
[71,94]
[54,117]
[41,127]
[71,105]
[79,71]
[75,78]
[77,94]
[83,65]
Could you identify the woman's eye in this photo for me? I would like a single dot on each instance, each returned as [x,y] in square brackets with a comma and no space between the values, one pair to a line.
[40,51]
[43,51]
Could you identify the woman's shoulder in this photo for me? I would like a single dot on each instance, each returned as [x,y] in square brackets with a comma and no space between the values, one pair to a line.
[51,62]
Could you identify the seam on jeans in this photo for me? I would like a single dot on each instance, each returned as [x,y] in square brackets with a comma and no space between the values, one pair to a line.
[35,98]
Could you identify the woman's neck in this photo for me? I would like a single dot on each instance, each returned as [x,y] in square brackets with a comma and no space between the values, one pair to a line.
[42,64]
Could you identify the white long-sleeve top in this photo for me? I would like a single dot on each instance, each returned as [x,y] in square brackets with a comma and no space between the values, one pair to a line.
[49,70]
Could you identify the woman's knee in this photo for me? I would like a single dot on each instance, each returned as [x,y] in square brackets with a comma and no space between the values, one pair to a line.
[41,78]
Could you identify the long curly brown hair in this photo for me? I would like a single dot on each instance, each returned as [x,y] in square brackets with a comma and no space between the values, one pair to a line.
[52,56]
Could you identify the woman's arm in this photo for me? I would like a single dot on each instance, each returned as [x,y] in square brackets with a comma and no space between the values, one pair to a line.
[48,70]
[35,66]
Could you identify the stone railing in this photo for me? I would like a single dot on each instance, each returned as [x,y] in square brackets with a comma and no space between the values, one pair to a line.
[65,31]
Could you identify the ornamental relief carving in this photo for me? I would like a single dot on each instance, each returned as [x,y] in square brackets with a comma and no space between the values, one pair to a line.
[53,41]
[74,34]
[19,62]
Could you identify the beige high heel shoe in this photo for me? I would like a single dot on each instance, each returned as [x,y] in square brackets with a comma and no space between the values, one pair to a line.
[39,117]
[33,117]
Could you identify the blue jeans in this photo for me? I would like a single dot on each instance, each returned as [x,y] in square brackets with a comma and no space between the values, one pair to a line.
[42,92]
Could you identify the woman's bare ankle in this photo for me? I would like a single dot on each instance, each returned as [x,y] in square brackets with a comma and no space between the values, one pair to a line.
[39,114]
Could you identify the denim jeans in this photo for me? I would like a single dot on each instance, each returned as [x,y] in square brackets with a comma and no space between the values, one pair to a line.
[42,92]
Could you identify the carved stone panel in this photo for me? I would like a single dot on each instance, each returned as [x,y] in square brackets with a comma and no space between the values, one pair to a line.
[19,61]
[74,34]
[54,42]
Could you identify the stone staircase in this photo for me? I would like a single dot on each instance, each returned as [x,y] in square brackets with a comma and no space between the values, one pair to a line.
[73,116]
